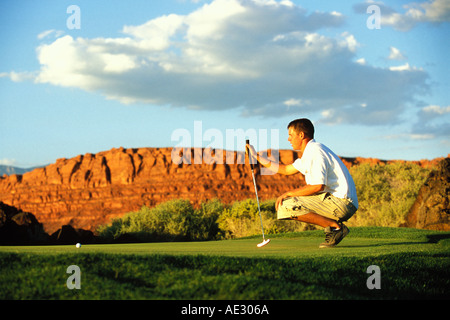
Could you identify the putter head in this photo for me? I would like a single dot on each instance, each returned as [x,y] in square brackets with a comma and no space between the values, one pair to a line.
[262,244]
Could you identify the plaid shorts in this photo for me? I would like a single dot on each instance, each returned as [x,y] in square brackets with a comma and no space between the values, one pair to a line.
[324,204]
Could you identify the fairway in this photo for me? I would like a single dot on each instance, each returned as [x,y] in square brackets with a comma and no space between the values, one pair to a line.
[414,264]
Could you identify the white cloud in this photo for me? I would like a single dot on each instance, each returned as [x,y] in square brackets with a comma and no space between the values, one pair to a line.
[395,54]
[433,120]
[153,35]
[405,67]
[434,11]
[436,110]
[263,57]
[67,62]
[409,136]
[350,41]
[118,63]
[296,103]
[7,162]
[48,33]
[18,76]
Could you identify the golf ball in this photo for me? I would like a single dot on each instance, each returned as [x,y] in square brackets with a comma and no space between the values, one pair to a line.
[78,245]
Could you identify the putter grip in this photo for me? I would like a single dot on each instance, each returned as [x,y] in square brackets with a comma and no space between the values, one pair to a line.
[247,143]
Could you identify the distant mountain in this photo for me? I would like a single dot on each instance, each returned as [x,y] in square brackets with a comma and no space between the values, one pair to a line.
[9,170]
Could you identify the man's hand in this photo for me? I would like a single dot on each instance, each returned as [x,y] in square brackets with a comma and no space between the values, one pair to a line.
[274,166]
[307,190]
[250,150]
[280,200]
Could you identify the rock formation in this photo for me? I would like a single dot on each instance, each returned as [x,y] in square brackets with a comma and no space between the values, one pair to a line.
[431,210]
[69,235]
[20,228]
[91,189]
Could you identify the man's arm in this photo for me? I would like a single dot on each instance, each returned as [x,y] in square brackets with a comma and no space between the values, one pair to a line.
[275,167]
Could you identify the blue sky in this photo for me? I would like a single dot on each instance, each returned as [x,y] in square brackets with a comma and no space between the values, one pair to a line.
[136,72]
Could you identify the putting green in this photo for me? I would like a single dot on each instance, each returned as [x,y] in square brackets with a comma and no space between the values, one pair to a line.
[278,247]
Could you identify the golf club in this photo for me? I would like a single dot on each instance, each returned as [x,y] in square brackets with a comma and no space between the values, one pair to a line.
[264,242]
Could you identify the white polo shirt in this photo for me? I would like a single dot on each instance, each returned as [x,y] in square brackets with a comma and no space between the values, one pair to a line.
[321,166]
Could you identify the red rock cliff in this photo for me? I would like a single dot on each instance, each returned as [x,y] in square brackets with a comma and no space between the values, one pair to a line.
[90,189]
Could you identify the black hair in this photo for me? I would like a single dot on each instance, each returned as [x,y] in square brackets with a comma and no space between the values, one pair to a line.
[303,125]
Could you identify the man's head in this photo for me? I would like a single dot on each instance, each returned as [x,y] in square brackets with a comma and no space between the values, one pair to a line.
[300,130]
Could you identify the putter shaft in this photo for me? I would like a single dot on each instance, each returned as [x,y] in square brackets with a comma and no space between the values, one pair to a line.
[256,191]
[257,201]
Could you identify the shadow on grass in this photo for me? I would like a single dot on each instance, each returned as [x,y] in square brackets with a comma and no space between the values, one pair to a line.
[435,238]
[380,244]
[431,238]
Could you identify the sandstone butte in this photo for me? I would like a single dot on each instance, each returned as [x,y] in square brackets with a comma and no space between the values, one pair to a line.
[89,190]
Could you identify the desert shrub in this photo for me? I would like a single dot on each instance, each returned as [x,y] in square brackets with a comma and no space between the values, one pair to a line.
[168,221]
[177,220]
[242,220]
[386,192]
[207,226]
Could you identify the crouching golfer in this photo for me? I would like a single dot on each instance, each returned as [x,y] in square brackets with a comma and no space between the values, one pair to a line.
[329,196]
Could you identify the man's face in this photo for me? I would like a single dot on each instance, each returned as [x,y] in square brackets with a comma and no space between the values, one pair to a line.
[295,138]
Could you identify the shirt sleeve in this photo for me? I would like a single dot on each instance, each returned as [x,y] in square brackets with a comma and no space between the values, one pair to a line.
[298,165]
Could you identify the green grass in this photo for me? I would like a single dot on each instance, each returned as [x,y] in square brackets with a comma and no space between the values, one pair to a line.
[414,264]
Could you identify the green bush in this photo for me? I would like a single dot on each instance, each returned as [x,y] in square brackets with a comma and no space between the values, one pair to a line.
[207,227]
[174,220]
[386,192]
[242,220]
